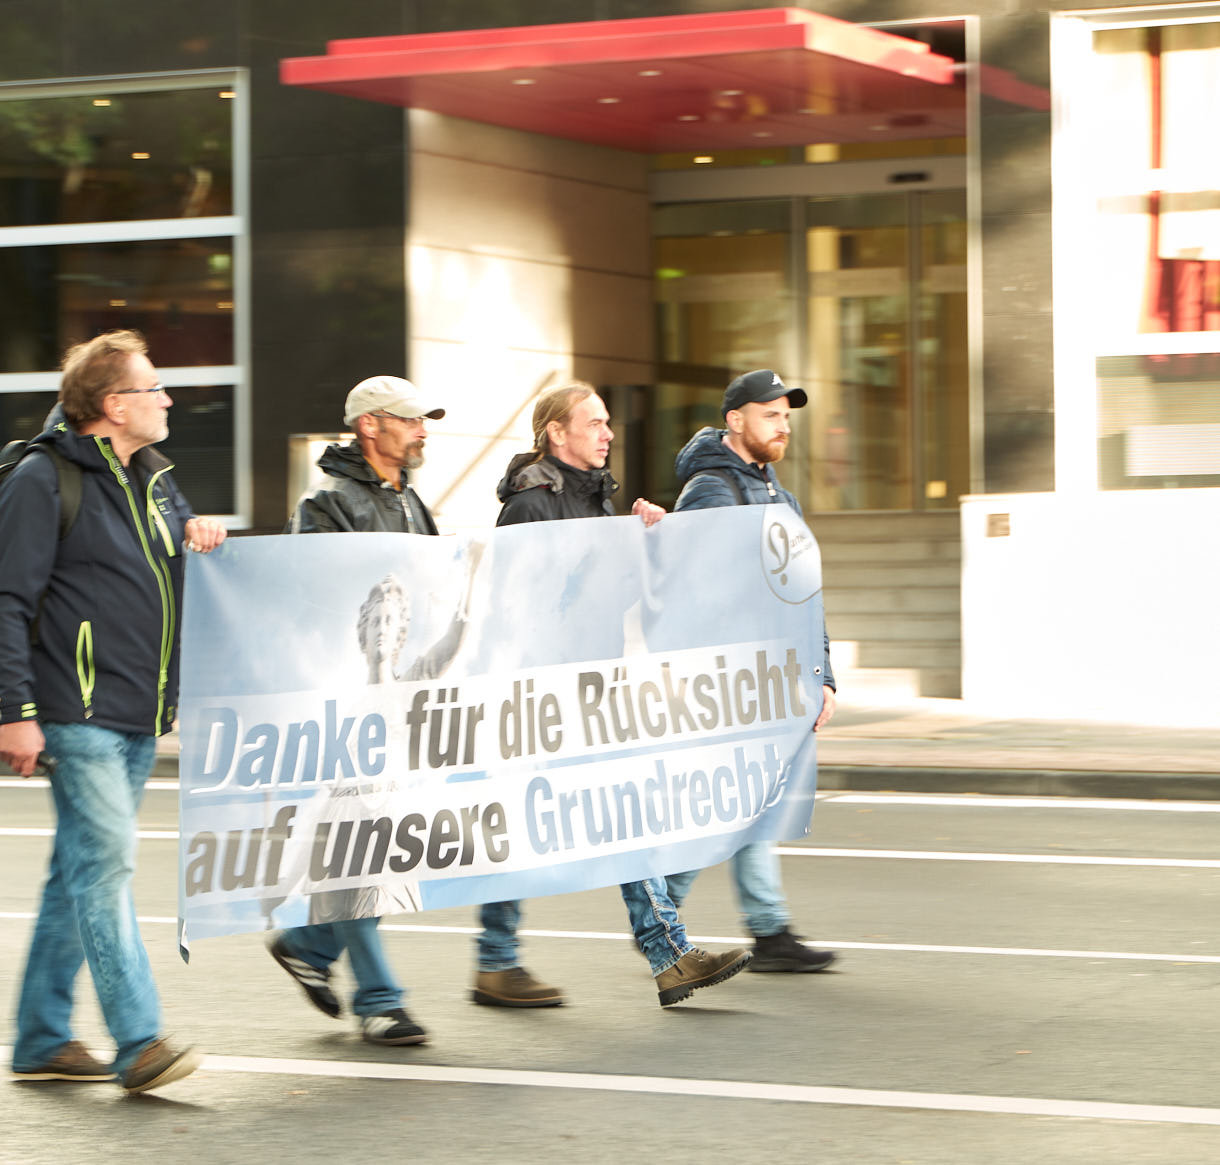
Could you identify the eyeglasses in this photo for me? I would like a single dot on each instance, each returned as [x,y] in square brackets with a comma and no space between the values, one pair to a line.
[125,391]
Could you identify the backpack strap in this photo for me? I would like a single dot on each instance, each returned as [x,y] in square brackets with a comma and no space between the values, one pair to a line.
[727,476]
[69,490]
[67,472]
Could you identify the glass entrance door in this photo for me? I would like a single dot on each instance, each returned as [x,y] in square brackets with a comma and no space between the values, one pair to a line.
[859,299]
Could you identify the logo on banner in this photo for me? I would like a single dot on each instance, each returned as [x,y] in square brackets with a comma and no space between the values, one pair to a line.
[790,559]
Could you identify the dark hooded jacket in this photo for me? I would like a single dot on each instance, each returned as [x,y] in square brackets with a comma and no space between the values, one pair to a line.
[712,475]
[548,489]
[354,498]
[89,624]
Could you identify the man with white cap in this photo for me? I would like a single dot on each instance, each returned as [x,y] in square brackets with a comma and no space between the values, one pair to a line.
[366,488]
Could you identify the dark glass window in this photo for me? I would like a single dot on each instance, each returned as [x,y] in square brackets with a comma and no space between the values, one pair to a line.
[178,292]
[107,157]
[200,441]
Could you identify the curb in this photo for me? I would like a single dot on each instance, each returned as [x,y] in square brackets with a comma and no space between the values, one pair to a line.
[1142,786]
[1134,785]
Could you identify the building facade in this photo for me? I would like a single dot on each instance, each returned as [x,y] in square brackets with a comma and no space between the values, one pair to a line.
[987,245]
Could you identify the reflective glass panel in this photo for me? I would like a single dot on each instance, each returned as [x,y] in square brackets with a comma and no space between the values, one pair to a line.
[1151,129]
[178,292]
[115,156]
[200,441]
[941,350]
[859,367]
[1159,421]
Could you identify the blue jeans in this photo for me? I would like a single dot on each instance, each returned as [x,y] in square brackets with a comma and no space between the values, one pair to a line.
[87,912]
[658,930]
[497,945]
[760,893]
[377,991]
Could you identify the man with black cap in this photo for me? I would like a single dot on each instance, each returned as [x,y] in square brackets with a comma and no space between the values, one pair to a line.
[366,488]
[733,467]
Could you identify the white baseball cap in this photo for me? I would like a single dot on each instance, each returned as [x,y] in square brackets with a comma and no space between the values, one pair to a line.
[389,394]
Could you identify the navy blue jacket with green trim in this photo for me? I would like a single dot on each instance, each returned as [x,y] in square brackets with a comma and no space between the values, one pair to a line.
[103,648]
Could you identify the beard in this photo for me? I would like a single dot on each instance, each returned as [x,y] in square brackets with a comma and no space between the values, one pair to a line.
[414,456]
[762,453]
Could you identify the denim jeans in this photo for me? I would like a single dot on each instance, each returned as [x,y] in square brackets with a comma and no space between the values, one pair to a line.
[760,893]
[377,991]
[497,945]
[87,912]
[658,930]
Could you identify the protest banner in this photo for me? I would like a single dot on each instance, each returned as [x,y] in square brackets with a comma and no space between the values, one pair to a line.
[373,724]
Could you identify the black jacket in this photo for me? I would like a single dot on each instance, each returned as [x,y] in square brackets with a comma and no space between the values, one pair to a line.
[354,498]
[712,475]
[102,605]
[549,489]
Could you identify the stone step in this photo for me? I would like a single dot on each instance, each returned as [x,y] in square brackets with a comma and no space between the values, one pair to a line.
[839,576]
[890,627]
[885,527]
[913,550]
[891,600]
[871,653]
[897,685]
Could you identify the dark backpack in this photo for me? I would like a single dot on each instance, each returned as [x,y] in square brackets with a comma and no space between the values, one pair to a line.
[69,478]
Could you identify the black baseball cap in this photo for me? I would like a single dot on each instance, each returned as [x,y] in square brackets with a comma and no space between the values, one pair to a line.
[759,387]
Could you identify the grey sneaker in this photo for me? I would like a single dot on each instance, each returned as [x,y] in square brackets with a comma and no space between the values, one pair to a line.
[314,982]
[394,1027]
[515,987]
[159,1064]
[72,1062]
[697,969]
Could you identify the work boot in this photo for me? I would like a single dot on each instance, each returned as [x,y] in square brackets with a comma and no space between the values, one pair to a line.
[785,952]
[159,1064]
[515,987]
[697,969]
[72,1062]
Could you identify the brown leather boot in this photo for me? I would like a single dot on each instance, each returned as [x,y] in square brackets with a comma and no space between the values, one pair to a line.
[697,969]
[515,987]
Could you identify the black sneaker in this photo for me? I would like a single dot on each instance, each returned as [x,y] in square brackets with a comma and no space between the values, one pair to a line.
[785,952]
[392,1027]
[314,982]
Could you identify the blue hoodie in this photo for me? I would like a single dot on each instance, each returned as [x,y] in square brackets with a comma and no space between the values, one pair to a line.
[89,624]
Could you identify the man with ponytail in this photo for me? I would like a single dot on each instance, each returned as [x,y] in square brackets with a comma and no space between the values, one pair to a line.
[565,476]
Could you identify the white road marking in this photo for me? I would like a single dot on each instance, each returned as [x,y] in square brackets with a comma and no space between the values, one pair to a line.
[43,783]
[966,801]
[915,855]
[736,940]
[718,1089]
[794,851]
[41,831]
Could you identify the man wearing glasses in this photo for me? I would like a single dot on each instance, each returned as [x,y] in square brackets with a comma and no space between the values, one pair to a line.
[367,488]
[88,680]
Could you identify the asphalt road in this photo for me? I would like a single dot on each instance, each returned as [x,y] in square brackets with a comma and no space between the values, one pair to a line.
[1018,982]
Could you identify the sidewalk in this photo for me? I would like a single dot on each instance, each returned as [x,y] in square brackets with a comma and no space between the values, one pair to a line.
[940,746]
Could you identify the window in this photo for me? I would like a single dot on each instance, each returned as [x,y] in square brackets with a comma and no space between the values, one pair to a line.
[121,206]
[1138,249]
